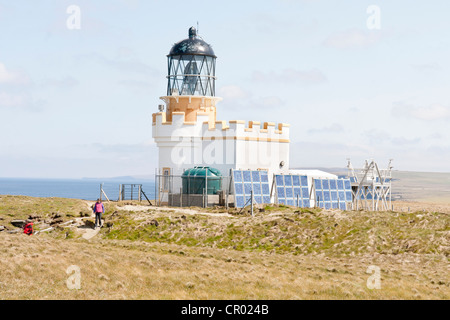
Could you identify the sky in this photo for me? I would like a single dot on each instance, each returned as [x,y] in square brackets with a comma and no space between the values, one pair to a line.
[355,79]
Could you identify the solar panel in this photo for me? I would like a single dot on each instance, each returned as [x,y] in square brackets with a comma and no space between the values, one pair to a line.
[257,188]
[246,181]
[318,183]
[264,177]
[239,189]
[326,195]
[237,176]
[304,181]
[292,190]
[287,181]
[347,184]
[239,201]
[265,188]
[305,193]
[332,193]
[255,176]
[289,192]
[333,185]
[334,196]
[280,192]
[279,180]
[348,196]
[247,188]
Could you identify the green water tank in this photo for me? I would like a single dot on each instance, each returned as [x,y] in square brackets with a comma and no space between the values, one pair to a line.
[194,180]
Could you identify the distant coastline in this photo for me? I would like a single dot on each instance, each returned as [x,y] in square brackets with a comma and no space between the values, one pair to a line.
[85,189]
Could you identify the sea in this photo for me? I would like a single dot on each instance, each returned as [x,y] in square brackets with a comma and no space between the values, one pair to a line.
[86,189]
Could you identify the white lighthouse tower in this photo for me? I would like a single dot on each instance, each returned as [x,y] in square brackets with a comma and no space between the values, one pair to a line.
[188,133]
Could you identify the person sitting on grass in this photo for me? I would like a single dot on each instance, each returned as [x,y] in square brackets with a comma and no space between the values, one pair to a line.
[28,228]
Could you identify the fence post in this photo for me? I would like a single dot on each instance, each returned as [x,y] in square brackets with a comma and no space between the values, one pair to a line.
[203,197]
[251,201]
[206,183]
[226,198]
[156,175]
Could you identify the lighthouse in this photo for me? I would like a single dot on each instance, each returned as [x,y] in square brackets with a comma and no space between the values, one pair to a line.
[201,157]
[188,133]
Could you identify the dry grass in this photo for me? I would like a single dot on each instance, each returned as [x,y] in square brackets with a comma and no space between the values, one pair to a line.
[35,268]
[280,254]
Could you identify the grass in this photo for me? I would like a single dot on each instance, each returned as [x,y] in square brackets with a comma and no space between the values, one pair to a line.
[330,233]
[280,253]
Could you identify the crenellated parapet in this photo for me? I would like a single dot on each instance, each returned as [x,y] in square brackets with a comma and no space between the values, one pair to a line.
[234,129]
[253,131]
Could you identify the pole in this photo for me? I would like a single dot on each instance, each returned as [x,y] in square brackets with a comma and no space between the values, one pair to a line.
[251,201]
[226,198]
[203,197]
[206,183]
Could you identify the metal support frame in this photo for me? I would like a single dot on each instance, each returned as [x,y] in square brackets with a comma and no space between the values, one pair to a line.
[371,182]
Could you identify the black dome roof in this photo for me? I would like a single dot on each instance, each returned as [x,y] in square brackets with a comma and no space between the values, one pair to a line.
[192,46]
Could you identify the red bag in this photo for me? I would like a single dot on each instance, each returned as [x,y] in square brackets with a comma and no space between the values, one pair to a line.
[28,229]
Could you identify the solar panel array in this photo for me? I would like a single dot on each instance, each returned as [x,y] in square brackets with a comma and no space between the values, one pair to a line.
[333,193]
[292,190]
[246,181]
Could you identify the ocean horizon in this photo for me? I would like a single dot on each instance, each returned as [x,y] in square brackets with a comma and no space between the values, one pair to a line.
[85,189]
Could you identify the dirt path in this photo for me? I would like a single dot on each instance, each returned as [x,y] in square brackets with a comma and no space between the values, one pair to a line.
[89,233]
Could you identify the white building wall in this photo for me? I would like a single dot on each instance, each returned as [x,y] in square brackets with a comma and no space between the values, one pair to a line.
[226,146]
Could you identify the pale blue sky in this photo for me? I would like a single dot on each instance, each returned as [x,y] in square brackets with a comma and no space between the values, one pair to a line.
[78,103]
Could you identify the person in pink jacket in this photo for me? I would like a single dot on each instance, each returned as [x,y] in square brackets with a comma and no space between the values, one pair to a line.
[98,209]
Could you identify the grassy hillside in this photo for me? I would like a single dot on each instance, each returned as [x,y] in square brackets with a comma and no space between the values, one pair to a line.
[280,253]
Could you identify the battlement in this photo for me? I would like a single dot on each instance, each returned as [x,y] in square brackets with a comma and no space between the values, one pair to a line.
[234,129]
[253,131]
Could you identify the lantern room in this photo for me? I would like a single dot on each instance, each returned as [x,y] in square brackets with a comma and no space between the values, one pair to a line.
[191,67]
